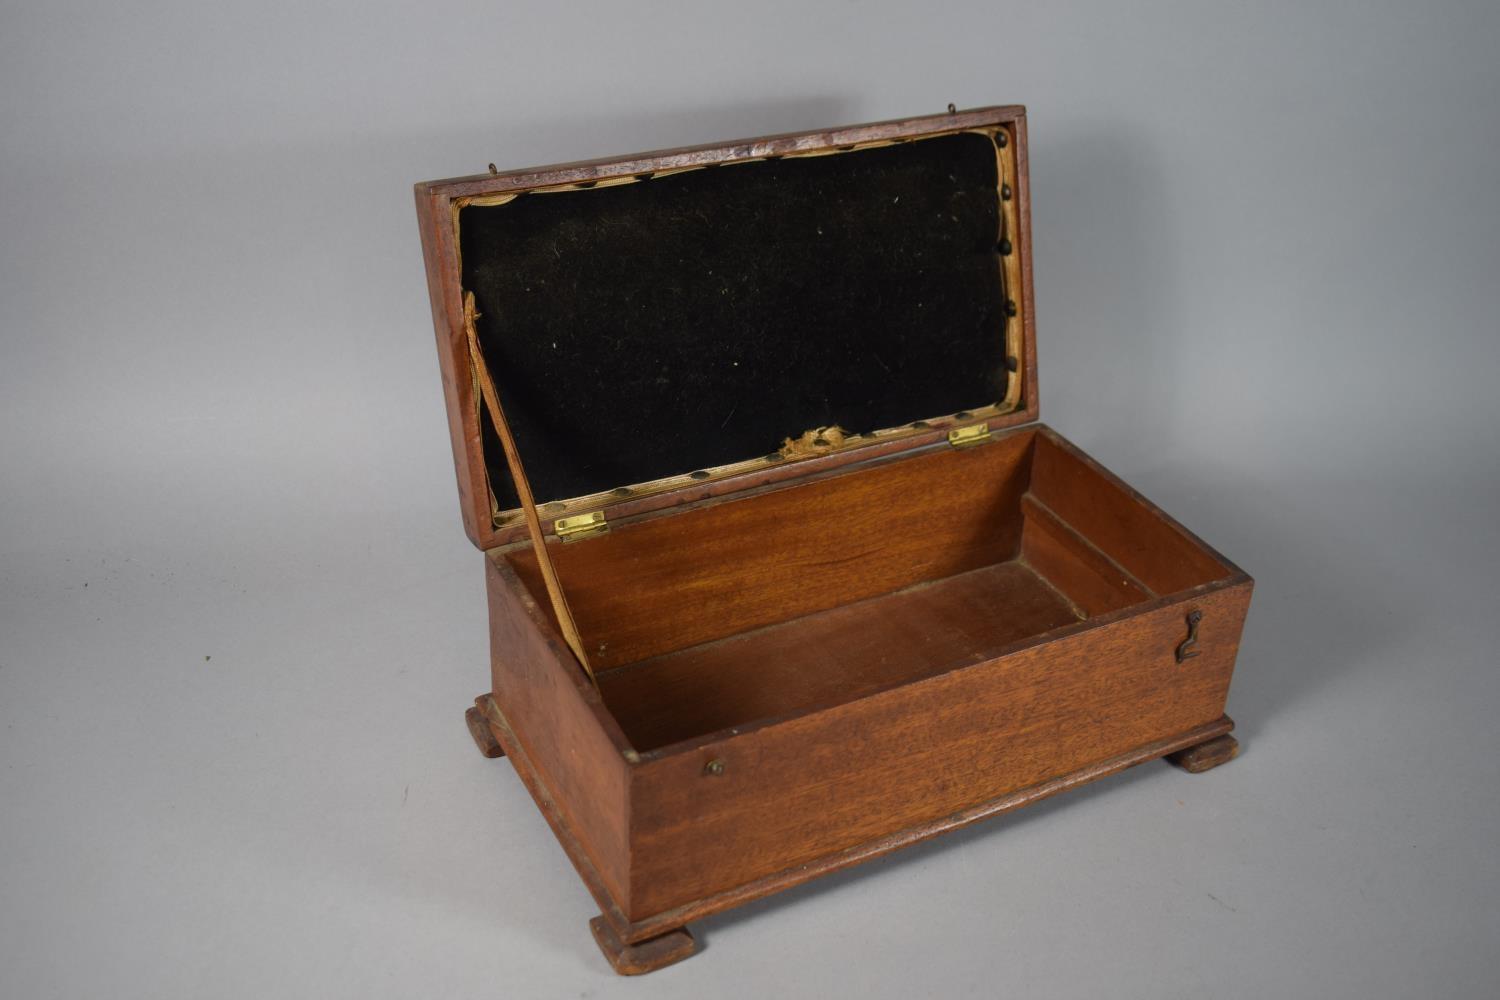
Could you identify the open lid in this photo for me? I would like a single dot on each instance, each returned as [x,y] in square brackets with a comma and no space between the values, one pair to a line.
[668,326]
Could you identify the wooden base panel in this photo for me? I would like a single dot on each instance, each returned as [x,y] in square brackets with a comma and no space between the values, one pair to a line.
[644,956]
[1208,755]
[484,739]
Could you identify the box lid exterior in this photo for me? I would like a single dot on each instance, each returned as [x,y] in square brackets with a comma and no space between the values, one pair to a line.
[807,166]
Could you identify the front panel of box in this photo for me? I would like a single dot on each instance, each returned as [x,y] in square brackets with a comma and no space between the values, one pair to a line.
[758,803]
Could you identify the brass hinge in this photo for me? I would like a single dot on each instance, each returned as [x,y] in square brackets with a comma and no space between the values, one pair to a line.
[967,437]
[571,529]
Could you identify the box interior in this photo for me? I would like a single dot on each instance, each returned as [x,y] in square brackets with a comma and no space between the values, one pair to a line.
[805,596]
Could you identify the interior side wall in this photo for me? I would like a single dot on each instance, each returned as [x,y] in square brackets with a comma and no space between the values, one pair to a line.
[1095,526]
[1089,579]
[675,581]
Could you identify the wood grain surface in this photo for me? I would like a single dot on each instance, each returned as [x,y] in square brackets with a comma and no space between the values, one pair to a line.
[812,664]
[819,783]
[832,656]
[721,569]
[784,740]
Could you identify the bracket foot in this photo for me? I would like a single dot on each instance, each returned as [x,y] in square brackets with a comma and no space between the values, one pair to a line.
[1206,756]
[644,956]
[479,728]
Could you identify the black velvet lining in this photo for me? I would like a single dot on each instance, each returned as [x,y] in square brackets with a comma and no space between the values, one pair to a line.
[651,329]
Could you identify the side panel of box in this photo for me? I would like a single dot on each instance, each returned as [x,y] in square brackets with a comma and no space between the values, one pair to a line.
[573,747]
[794,792]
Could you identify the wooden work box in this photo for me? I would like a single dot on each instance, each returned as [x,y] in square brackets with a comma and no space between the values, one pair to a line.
[783,573]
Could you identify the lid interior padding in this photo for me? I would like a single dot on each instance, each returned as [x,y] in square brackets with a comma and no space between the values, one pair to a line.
[700,318]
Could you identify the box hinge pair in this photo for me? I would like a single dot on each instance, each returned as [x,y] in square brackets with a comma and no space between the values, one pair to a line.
[968,437]
[572,529]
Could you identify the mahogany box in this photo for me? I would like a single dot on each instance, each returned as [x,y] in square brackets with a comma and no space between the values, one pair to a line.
[783,572]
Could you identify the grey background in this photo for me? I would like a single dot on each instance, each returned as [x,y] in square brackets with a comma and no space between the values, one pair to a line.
[239,619]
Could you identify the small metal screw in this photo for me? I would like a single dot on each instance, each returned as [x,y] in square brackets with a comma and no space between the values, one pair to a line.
[1005,248]
[493,170]
[1005,192]
[1000,139]
[951,109]
[714,768]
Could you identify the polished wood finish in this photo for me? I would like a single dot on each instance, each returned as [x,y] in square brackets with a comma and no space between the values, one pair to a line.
[781,745]
[1094,583]
[577,839]
[814,664]
[831,656]
[1207,755]
[460,393]
[645,956]
[1155,552]
[558,719]
[720,569]
[484,739]
[820,782]
[666,922]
